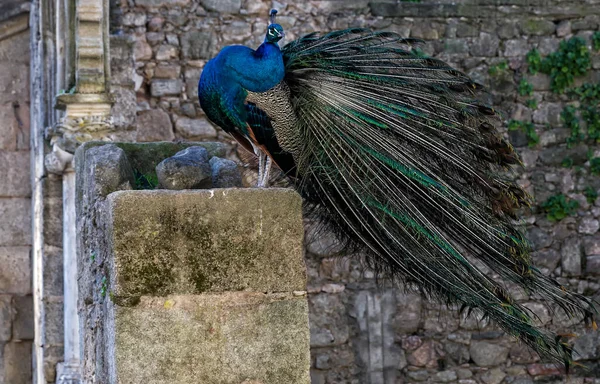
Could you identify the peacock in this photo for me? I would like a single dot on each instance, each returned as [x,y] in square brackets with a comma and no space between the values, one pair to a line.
[397,154]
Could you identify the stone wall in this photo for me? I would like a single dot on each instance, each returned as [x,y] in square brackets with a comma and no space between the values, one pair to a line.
[16,311]
[363,332]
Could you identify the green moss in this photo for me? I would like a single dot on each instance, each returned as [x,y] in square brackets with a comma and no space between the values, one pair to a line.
[596,41]
[534,61]
[498,69]
[558,207]
[591,116]
[567,162]
[569,117]
[531,103]
[590,194]
[525,88]
[147,181]
[595,166]
[526,127]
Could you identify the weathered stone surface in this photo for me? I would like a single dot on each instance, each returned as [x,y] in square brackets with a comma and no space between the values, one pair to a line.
[54,320]
[424,356]
[563,28]
[329,327]
[53,271]
[166,52]
[543,370]
[588,226]
[547,258]
[170,87]
[23,318]
[149,256]
[548,113]
[235,337]
[195,128]
[493,376]
[538,27]
[408,312]
[161,3]
[223,6]
[14,174]
[15,274]
[486,354]
[6,316]
[167,71]
[225,173]
[188,169]
[515,47]
[109,170]
[591,245]
[15,226]
[587,346]
[17,362]
[154,125]
[198,45]
[571,257]
[486,45]
[539,238]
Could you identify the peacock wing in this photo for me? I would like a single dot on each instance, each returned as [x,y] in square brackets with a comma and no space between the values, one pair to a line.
[402,159]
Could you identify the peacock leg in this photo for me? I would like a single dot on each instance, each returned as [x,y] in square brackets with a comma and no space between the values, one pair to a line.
[263,159]
[264,182]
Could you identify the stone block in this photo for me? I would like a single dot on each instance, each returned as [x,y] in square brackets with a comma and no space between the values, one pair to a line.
[538,27]
[516,47]
[23,318]
[53,322]
[15,226]
[6,317]
[15,274]
[188,169]
[487,45]
[14,128]
[151,255]
[222,6]
[198,286]
[17,362]
[53,271]
[161,3]
[167,71]
[110,170]
[571,257]
[199,45]
[53,222]
[172,87]
[14,83]
[195,128]
[328,325]
[486,354]
[15,49]
[231,337]
[154,125]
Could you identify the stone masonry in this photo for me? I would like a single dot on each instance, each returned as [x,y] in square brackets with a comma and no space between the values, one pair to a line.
[16,311]
[187,286]
[363,331]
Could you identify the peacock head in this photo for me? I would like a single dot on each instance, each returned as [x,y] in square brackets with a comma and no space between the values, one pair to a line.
[274,31]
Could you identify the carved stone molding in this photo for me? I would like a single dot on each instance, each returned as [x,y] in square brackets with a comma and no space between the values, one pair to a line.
[68,374]
[69,133]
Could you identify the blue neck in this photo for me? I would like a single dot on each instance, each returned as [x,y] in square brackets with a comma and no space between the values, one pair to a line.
[267,50]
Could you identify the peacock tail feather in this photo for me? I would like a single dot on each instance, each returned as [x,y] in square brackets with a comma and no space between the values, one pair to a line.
[403,161]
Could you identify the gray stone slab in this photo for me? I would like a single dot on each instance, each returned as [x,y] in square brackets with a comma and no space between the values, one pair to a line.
[15,274]
[235,337]
[206,241]
[15,226]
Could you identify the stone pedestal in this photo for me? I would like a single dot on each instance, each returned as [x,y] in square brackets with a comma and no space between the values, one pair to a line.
[205,286]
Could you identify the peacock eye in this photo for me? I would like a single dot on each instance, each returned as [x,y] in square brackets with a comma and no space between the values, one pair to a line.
[271,32]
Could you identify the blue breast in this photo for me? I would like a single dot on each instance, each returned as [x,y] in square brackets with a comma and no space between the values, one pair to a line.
[227,79]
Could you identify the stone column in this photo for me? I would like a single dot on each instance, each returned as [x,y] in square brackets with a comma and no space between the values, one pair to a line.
[82,43]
